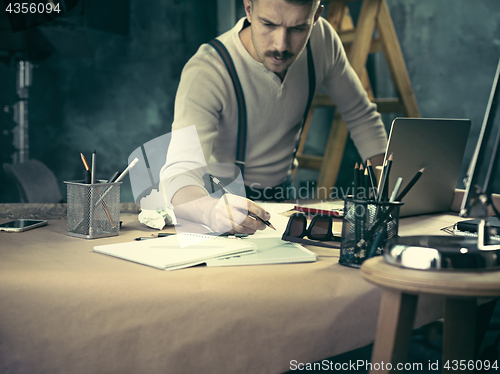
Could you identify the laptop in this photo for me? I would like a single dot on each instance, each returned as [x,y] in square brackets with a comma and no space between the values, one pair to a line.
[437,145]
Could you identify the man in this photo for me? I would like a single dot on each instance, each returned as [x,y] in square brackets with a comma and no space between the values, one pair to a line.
[268,48]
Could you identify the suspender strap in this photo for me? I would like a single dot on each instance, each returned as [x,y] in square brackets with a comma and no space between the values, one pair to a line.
[311,72]
[242,109]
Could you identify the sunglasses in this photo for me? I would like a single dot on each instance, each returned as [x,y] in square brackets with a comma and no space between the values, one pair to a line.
[320,229]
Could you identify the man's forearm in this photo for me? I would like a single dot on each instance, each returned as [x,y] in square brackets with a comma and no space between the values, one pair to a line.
[193,203]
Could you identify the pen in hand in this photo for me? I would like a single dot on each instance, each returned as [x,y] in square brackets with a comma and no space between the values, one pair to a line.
[227,190]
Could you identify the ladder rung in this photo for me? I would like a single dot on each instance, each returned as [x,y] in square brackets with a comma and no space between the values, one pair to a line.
[384,105]
[347,38]
[310,162]
[390,105]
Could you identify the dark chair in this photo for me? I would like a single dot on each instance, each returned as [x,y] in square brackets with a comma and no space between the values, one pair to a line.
[35,181]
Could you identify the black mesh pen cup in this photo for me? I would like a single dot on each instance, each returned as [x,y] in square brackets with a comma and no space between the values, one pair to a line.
[93,209]
[366,227]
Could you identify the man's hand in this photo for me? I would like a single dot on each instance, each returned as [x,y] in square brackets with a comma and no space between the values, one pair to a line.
[228,213]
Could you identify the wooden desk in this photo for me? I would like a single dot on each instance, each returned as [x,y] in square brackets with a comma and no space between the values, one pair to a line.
[66,309]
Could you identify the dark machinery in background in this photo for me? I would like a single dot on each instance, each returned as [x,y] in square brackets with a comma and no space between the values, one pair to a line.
[29,36]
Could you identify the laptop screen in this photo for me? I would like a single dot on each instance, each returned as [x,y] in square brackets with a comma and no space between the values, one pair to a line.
[438,145]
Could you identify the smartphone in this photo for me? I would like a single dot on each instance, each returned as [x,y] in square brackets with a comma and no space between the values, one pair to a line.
[22,225]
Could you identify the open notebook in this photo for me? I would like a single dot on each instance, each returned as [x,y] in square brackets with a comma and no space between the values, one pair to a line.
[268,251]
[167,254]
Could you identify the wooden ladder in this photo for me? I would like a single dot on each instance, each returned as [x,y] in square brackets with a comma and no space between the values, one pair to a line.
[359,42]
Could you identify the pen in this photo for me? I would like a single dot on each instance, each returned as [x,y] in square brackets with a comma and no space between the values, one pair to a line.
[163,234]
[93,167]
[396,190]
[125,172]
[227,190]
[154,236]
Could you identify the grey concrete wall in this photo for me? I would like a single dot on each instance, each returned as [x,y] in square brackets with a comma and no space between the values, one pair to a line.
[451,49]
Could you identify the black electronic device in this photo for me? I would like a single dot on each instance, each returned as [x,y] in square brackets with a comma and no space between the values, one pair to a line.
[20,225]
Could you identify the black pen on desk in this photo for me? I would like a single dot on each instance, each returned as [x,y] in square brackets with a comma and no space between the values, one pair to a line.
[227,190]
[154,236]
[410,185]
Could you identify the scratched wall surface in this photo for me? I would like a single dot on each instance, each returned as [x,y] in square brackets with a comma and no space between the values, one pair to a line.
[123,96]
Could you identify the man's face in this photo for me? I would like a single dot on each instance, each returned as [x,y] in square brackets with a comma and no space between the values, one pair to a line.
[279,31]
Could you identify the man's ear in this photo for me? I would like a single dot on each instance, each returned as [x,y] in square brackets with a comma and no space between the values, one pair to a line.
[320,10]
[248,9]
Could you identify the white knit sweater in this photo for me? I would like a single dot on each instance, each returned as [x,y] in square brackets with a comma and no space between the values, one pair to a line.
[206,99]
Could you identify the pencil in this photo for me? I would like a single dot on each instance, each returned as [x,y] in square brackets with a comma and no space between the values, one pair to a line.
[356,181]
[85,163]
[373,182]
[410,185]
[383,191]
[366,186]
[88,174]
[227,190]
[361,181]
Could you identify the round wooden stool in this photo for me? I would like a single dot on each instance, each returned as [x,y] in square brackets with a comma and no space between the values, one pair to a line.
[401,288]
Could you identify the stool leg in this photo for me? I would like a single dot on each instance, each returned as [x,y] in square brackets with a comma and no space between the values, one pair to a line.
[459,333]
[395,324]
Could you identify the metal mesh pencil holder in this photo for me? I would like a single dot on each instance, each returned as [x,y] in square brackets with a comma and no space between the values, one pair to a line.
[366,227]
[93,209]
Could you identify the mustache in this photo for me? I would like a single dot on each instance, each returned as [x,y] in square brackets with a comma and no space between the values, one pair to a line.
[277,54]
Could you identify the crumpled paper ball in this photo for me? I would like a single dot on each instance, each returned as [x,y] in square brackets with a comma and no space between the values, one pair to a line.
[157,219]
[154,212]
